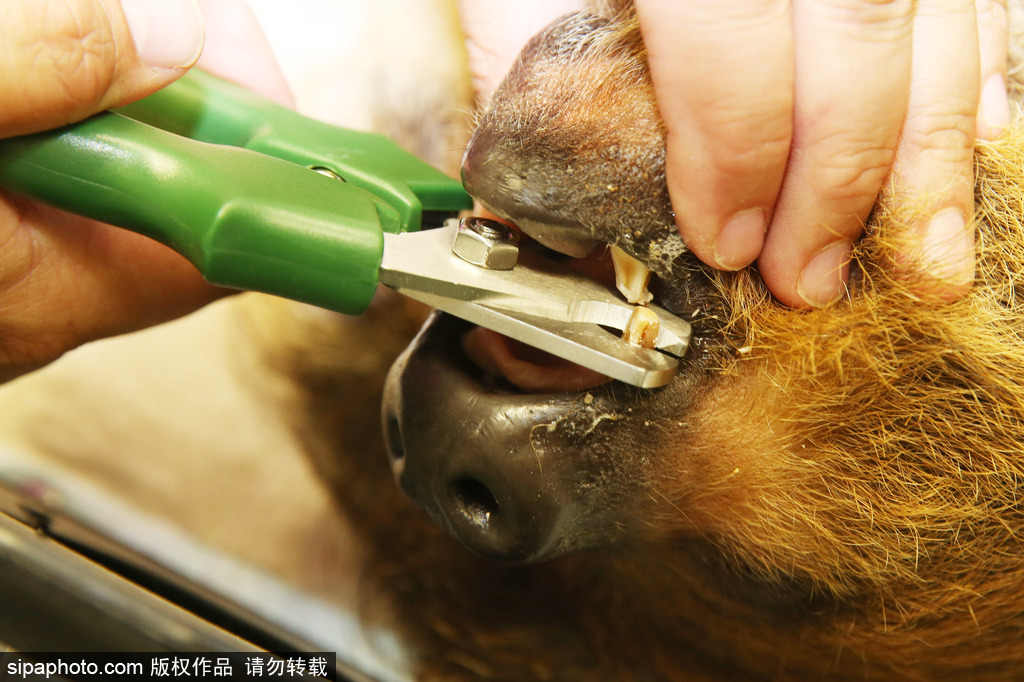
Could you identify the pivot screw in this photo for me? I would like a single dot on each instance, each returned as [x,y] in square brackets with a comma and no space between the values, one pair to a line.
[326,172]
[486,243]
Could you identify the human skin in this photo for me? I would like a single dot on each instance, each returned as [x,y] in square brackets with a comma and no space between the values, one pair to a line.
[65,280]
[786,121]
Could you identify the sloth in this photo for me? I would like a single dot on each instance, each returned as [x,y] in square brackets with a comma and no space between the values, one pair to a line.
[827,494]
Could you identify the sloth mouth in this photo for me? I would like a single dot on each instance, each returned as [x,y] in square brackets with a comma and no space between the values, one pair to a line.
[526,368]
[522,366]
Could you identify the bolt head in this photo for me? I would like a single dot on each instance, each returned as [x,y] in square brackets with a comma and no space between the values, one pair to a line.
[486,243]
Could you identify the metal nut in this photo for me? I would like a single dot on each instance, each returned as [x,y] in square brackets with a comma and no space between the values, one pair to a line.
[486,243]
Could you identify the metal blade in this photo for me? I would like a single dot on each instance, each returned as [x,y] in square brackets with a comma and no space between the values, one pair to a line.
[539,302]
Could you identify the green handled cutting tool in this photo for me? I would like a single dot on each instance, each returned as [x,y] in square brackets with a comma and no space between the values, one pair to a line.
[261,198]
[222,176]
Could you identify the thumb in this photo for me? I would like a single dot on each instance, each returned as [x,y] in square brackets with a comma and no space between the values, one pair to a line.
[64,60]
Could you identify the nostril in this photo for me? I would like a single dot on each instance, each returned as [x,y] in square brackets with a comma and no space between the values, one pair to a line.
[393,436]
[474,501]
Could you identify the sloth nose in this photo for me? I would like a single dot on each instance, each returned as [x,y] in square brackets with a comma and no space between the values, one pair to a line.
[517,190]
[484,464]
[497,501]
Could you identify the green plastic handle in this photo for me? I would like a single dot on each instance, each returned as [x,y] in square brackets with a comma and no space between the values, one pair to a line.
[252,218]
[245,220]
[203,107]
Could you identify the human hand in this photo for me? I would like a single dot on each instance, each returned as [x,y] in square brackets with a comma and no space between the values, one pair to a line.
[786,119]
[65,280]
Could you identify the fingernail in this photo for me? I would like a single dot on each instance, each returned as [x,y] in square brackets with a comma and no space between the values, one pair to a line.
[823,279]
[167,33]
[740,239]
[948,249]
[994,108]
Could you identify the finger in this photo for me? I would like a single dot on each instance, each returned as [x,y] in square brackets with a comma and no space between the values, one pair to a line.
[497,31]
[237,49]
[723,77]
[65,280]
[934,160]
[993,44]
[851,89]
[63,61]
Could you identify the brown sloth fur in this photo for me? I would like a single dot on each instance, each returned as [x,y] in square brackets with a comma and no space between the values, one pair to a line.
[857,516]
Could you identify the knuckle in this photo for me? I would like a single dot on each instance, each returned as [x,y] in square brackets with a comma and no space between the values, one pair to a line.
[993,19]
[735,158]
[745,139]
[869,12]
[996,9]
[734,13]
[77,56]
[854,176]
[947,137]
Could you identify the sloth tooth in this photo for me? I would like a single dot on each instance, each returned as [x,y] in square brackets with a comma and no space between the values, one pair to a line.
[642,328]
[631,277]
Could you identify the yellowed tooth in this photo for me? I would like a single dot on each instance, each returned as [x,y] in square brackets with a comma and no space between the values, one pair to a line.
[642,328]
[631,277]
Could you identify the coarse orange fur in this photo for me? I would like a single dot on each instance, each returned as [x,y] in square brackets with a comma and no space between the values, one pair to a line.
[842,504]
[842,499]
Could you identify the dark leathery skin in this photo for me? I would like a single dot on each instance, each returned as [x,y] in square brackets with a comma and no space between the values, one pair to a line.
[573,159]
[519,476]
